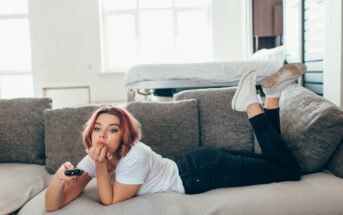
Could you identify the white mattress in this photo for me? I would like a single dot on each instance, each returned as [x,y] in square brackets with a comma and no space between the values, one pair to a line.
[206,74]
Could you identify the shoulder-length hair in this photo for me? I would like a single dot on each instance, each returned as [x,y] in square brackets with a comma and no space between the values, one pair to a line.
[129,126]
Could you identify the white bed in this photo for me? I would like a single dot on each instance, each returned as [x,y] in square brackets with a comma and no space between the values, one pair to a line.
[146,78]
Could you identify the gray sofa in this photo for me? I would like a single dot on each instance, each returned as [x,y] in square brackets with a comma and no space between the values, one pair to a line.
[36,139]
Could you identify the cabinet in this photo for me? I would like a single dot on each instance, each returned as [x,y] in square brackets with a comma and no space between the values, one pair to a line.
[268,22]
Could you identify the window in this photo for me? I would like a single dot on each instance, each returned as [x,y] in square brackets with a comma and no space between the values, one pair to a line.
[150,31]
[15,51]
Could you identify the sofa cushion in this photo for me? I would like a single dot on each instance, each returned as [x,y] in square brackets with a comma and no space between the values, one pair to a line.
[63,135]
[169,128]
[315,194]
[336,163]
[19,183]
[22,129]
[220,126]
[311,126]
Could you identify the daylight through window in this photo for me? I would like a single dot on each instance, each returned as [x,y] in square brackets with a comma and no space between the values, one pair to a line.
[149,31]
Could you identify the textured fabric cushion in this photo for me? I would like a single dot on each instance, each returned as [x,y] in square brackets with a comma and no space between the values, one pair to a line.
[169,128]
[63,135]
[315,194]
[22,129]
[336,162]
[220,126]
[19,183]
[311,126]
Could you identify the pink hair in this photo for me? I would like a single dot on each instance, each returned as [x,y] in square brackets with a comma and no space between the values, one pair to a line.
[129,126]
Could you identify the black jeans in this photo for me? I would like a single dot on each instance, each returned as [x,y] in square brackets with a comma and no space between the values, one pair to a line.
[205,168]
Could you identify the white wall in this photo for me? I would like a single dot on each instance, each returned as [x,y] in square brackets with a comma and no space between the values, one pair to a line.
[227,23]
[66,44]
[333,75]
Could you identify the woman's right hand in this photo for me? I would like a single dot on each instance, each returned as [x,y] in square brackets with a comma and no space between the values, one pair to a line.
[62,178]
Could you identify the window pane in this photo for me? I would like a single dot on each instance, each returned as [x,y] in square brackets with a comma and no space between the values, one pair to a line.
[155,4]
[121,40]
[194,39]
[156,36]
[13,6]
[13,86]
[15,51]
[191,3]
[119,4]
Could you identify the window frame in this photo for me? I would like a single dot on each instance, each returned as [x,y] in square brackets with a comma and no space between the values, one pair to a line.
[135,12]
[17,72]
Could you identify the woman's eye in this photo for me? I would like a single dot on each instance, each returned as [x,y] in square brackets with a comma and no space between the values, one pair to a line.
[96,129]
[113,130]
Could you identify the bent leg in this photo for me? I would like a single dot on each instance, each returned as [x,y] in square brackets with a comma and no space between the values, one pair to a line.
[272,144]
[273,116]
[206,168]
[272,112]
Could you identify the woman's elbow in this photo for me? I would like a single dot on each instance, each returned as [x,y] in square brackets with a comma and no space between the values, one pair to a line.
[106,202]
[49,208]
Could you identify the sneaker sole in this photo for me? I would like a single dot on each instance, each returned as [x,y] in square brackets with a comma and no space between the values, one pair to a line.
[239,87]
[274,81]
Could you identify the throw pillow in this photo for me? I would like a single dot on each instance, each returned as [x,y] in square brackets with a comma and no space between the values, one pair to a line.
[169,128]
[22,130]
[336,163]
[311,126]
[63,135]
[220,126]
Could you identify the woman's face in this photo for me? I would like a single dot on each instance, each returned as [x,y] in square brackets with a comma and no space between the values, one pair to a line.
[107,132]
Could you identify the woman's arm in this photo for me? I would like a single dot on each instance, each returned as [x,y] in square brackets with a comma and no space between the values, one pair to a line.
[63,189]
[100,156]
[109,194]
[104,183]
[123,192]
[112,194]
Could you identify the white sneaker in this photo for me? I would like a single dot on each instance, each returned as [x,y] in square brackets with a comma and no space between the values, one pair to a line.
[282,78]
[246,87]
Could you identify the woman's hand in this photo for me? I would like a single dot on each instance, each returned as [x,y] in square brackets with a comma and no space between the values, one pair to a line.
[62,178]
[98,153]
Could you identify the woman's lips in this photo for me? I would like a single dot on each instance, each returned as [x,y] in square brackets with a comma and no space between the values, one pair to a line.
[102,143]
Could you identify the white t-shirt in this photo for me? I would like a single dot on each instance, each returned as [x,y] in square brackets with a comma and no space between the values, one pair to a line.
[143,166]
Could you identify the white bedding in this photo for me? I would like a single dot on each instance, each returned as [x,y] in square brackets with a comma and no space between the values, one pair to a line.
[228,73]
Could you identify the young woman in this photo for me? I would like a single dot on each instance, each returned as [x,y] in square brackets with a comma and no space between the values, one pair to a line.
[125,167]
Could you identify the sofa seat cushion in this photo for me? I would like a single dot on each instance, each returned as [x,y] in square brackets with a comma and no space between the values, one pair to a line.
[19,183]
[319,193]
[220,126]
[169,128]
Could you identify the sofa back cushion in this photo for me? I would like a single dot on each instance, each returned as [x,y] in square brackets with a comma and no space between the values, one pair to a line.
[169,128]
[22,130]
[220,126]
[336,163]
[63,135]
[311,126]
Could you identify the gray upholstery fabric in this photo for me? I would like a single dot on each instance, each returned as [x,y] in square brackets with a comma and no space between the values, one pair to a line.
[22,129]
[336,163]
[314,194]
[311,126]
[63,135]
[19,183]
[169,128]
[220,126]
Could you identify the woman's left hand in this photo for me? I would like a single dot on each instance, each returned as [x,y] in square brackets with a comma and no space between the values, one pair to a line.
[98,153]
